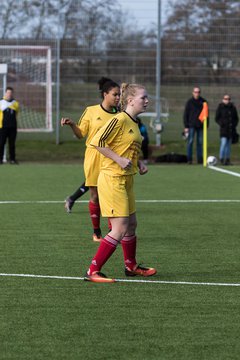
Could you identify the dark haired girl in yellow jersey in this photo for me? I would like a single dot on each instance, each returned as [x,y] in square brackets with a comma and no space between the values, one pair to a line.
[94,118]
[119,141]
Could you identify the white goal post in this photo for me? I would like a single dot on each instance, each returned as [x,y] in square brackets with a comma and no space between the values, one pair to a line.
[3,74]
[29,73]
[155,123]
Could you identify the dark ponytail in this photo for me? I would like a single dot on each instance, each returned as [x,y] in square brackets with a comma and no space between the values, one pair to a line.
[106,84]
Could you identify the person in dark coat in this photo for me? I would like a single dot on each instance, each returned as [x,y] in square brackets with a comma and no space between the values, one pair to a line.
[227,119]
[193,125]
[145,140]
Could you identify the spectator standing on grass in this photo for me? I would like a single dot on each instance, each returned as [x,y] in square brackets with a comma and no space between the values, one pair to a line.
[119,141]
[93,118]
[9,109]
[192,125]
[227,119]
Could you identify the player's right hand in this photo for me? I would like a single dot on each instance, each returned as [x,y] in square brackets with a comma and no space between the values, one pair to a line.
[125,163]
[66,121]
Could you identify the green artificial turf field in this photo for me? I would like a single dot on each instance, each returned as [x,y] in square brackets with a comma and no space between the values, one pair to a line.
[188,228]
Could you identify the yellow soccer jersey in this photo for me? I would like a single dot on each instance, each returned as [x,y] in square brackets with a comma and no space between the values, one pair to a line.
[122,135]
[93,118]
[8,113]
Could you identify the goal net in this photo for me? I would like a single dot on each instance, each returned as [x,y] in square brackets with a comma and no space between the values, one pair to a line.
[29,73]
[156,123]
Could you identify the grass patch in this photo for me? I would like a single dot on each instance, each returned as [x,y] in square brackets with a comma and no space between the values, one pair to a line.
[70,319]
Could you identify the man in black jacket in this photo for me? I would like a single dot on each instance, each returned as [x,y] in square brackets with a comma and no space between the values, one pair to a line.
[193,125]
[9,108]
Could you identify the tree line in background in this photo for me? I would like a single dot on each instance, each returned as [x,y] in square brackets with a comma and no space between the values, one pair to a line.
[200,39]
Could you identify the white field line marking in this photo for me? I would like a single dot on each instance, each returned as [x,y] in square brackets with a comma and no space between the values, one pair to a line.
[124,280]
[138,201]
[224,171]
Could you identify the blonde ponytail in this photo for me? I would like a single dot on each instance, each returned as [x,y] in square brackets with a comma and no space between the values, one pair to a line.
[122,101]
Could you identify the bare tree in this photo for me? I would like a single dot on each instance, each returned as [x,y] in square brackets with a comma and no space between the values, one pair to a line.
[11,16]
[198,43]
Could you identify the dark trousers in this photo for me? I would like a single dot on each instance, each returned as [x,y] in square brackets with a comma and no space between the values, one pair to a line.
[145,150]
[9,134]
[199,132]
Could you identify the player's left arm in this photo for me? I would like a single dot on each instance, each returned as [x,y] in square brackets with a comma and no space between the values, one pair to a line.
[16,107]
[142,167]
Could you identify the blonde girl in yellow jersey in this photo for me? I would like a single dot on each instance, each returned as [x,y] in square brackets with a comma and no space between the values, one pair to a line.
[94,118]
[119,141]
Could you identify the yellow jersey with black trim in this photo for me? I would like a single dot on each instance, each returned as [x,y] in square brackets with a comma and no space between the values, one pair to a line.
[94,118]
[8,113]
[121,134]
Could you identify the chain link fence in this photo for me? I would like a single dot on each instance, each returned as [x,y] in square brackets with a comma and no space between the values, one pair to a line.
[200,46]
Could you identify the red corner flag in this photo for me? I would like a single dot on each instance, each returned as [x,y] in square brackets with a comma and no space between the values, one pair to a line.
[204,113]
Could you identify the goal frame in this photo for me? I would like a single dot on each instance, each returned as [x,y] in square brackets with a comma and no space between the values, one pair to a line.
[48,119]
[157,123]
